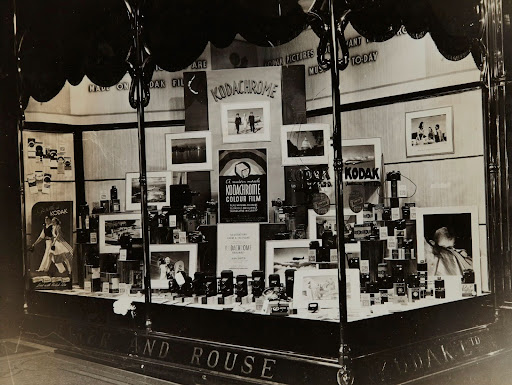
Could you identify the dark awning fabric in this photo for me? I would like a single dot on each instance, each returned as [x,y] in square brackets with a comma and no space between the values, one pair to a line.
[66,39]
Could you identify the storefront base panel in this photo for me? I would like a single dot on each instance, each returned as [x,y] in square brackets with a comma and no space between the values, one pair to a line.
[177,359]
[406,363]
[189,361]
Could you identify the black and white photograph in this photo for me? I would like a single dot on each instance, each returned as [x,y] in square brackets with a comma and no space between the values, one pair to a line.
[167,260]
[189,151]
[305,144]
[317,224]
[158,183]
[245,122]
[362,160]
[429,132]
[113,226]
[287,254]
[319,286]
[160,160]
[448,240]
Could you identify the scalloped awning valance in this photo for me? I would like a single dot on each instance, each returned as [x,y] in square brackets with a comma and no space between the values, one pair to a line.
[62,40]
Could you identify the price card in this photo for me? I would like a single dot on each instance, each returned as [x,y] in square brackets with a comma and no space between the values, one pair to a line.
[383,232]
[402,190]
[364,266]
[180,280]
[122,254]
[392,243]
[105,287]
[88,286]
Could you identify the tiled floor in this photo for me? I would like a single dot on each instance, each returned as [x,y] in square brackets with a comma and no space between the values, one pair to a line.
[31,364]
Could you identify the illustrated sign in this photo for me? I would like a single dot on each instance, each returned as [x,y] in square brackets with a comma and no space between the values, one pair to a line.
[63,211]
[243,186]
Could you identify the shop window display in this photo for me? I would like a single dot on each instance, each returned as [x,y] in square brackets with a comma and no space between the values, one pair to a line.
[242,212]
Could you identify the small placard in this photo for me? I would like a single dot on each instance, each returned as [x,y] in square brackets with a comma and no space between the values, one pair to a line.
[105,287]
[402,190]
[383,232]
[172,220]
[392,243]
[88,286]
[122,254]
[180,280]
[364,266]
[333,255]
[395,213]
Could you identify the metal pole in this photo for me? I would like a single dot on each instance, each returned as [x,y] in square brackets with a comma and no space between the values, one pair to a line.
[344,374]
[139,79]
[20,123]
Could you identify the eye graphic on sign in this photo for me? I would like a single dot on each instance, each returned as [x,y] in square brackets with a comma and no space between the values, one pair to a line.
[47,179]
[243,169]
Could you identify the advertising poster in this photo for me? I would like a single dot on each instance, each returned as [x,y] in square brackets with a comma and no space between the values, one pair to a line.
[51,220]
[238,248]
[243,186]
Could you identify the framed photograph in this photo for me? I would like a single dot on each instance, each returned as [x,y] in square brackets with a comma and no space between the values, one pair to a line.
[448,240]
[429,132]
[362,160]
[189,151]
[305,144]
[158,189]
[287,254]
[113,226]
[317,223]
[320,286]
[167,260]
[245,122]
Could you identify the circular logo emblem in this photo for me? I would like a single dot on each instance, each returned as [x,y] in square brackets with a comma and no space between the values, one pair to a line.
[321,203]
[356,201]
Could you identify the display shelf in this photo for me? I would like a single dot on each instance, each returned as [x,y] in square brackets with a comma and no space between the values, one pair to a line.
[327,314]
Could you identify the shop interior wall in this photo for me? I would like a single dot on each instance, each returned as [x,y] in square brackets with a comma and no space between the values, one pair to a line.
[110,154]
[455,179]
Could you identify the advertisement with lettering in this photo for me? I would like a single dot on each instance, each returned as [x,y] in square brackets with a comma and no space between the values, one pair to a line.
[362,160]
[243,186]
[238,246]
[51,252]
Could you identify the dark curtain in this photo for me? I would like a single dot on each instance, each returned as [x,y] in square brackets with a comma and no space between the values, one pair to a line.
[63,40]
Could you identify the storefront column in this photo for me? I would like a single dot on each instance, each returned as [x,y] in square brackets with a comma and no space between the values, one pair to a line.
[11,256]
[497,152]
[506,35]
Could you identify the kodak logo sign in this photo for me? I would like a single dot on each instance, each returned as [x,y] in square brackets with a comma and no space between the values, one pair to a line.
[355,173]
